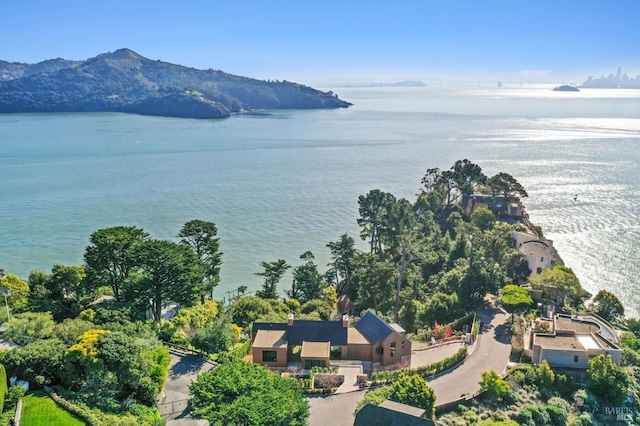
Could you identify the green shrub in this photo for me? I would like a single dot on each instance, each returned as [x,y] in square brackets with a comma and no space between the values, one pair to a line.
[525,417]
[584,419]
[539,417]
[557,416]
[15,393]
[4,385]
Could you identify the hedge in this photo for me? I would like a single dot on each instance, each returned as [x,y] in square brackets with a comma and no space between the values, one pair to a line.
[4,386]
[84,414]
[383,377]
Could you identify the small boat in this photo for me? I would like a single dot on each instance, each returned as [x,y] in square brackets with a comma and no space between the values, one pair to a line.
[566,88]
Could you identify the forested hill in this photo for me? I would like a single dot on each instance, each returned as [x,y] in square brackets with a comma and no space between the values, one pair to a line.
[124,81]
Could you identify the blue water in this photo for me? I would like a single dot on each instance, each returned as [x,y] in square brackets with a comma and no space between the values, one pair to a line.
[280,183]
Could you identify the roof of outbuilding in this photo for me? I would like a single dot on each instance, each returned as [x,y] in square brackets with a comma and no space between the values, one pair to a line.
[373,328]
[377,415]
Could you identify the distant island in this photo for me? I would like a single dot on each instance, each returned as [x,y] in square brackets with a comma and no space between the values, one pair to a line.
[617,81]
[124,81]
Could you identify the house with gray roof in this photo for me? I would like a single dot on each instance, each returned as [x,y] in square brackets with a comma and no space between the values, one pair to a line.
[391,413]
[322,343]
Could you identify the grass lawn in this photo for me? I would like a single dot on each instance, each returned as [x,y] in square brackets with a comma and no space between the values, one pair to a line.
[40,410]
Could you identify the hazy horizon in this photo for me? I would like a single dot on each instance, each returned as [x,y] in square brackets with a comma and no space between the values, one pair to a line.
[336,43]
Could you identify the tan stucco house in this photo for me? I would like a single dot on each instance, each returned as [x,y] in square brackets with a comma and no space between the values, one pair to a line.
[572,342]
[322,343]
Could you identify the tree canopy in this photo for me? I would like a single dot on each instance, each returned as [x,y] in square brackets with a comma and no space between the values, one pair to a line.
[516,298]
[607,305]
[248,394]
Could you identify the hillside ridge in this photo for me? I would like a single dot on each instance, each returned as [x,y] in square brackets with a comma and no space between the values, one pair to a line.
[125,81]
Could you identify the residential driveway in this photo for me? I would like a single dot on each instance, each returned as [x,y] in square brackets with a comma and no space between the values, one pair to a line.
[183,369]
[334,410]
[428,356]
[492,353]
[338,409]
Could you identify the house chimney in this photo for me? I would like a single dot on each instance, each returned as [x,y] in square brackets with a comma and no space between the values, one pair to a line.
[345,320]
[290,320]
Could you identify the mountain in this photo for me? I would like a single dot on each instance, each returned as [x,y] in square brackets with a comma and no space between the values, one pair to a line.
[124,81]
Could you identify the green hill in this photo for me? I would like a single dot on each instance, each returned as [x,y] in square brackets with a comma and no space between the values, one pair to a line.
[124,81]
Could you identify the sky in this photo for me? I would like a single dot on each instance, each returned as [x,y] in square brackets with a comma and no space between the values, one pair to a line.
[339,41]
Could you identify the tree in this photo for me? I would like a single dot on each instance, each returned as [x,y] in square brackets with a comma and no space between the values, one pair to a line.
[70,329]
[272,274]
[251,308]
[557,284]
[201,237]
[478,281]
[39,358]
[246,393]
[66,290]
[374,209]
[496,388]
[109,259]
[118,365]
[440,307]
[308,283]
[505,184]
[165,271]
[413,390]
[517,266]
[373,280]
[545,375]
[607,380]
[483,218]
[317,307]
[342,252]
[17,291]
[516,299]
[467,176]
[215,337]
[607,305]
[29,327]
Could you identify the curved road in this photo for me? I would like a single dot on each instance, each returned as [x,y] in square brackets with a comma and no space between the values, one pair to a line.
[492,353]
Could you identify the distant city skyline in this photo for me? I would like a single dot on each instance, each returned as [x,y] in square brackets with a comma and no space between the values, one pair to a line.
[328,42]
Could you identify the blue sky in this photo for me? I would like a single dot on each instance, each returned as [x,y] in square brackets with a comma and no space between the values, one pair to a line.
[339,41]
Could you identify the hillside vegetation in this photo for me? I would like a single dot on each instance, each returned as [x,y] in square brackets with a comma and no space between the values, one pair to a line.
[124,81]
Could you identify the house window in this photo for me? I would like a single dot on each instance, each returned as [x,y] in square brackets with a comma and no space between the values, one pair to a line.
[403,344]
[542,259]
[575,358]
[310,363]
[269,356]
[379,350]
[393,349]
[336,352]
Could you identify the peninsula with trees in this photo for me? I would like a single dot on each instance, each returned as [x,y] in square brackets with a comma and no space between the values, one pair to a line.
[96,337]
[124,81]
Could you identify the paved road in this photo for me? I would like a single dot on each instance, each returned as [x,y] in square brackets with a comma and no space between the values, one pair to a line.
[334,410]
[183,369]
[492,353]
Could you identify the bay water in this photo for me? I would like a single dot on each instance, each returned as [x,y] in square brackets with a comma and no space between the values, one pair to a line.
[279,183]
